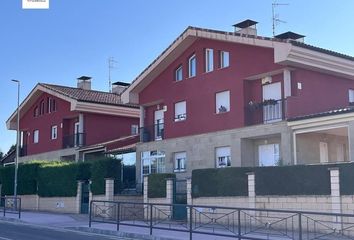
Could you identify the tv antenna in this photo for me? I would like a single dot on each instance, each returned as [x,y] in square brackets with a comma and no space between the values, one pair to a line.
[275,16]
[111,66]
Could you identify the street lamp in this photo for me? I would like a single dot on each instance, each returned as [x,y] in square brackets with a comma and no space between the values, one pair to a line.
[18,136]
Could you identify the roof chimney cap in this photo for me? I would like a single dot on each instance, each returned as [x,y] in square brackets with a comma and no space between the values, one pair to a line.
[84,78]
[245,24]
[290,36]
[119,87]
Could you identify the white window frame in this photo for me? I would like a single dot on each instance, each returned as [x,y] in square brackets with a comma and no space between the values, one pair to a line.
[134,129]
[36,136]
[192,69]
[209,60]
[54,132]
[180,159]
[223,156]
[223,63]
[180,111]
[351,95]
[221,105]
[179,77]
[152,157]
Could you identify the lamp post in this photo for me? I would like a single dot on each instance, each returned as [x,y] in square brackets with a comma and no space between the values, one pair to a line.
[18,136]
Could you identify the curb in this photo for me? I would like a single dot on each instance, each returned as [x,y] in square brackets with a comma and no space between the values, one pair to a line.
[119,234]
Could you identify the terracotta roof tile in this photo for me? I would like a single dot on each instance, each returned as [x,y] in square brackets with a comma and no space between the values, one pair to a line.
[91,96]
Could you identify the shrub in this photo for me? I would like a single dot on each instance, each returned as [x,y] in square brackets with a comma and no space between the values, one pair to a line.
[102,169]
[83,171]
[57,180]
[7,180]
[346,178]
[27,178]
[157,184]
[220,182]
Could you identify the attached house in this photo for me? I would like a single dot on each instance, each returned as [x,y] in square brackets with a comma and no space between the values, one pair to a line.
[68,123]
[217,99]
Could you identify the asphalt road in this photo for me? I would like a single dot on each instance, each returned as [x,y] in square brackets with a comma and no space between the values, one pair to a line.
[18,231]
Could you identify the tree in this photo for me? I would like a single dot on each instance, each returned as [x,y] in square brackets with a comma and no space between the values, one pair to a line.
[1,154]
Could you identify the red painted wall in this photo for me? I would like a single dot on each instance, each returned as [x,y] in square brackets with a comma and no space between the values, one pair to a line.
[199,91]
[43,123]
[100,128]
[320,92]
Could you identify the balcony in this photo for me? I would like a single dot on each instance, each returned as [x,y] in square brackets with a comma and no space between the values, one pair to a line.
[152,133]
[268,111]
[75,140]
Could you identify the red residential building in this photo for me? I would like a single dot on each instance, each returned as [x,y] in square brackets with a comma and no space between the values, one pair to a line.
[61,123]
[218,99]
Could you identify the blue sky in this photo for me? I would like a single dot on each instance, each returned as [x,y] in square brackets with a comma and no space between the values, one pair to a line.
[76,37]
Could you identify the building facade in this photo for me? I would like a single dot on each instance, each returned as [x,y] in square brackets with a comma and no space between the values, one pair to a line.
[60,123]
[219,99]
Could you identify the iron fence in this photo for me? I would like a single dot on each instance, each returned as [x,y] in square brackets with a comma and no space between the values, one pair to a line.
[237,223]
[152,133]
[75,140]
[11,205]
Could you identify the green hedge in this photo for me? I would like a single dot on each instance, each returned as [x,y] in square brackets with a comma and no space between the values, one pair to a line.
[27,178]
[7,180]
[83,171]
[293,180]
[157,184]
[346,178]
[220,182]
[102,169]
[57,180]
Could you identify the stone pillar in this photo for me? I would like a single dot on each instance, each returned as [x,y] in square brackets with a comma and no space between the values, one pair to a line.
[81,123]
[286,148]
[109,189]
[189,191]
[251,190]
[78,196]
[146,197]
[351,140]
[169,191]
[335,196]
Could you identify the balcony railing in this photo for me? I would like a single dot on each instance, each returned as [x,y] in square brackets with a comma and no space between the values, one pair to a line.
[268,111]
[152,133]
[75,140]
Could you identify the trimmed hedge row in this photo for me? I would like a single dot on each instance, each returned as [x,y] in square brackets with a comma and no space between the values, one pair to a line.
[220,182]
[102,169]
[59,179]
[285,180]
[157,184]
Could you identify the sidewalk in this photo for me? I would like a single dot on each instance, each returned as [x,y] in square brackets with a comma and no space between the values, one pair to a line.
[80,222]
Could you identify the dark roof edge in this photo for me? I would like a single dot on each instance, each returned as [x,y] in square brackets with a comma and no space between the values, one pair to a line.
[349,109]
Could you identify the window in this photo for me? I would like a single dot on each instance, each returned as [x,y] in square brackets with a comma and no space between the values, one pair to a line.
[180,161]
[269,155]
[36,112]
[134,129]
[179,74]
[152,162]
[35,136]
[53,106]
[351,95]
[224,59]
[54,132]
[223,157]
[180,111]
[222,102]
[209,60]
[192,63]
[42,108]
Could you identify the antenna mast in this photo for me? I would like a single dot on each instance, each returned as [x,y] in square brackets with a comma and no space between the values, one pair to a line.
[111,66]
[275,17]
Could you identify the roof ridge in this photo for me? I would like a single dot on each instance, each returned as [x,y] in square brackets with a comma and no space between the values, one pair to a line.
[89,90]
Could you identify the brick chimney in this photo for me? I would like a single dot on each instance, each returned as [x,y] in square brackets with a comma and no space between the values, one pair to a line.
[247,27]
[119,87]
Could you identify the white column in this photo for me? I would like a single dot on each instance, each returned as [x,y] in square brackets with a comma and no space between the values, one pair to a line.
[287,83]
[251,190]
[78,196]
[146,198]
[335,196]
[142,117]
[189,192]
[109,189]
[81,123]
[169,190]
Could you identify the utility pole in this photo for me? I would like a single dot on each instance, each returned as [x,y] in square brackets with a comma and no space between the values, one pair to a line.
[18,138]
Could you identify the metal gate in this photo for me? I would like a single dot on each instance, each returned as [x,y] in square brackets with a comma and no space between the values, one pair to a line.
[85,197]
[180,197]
